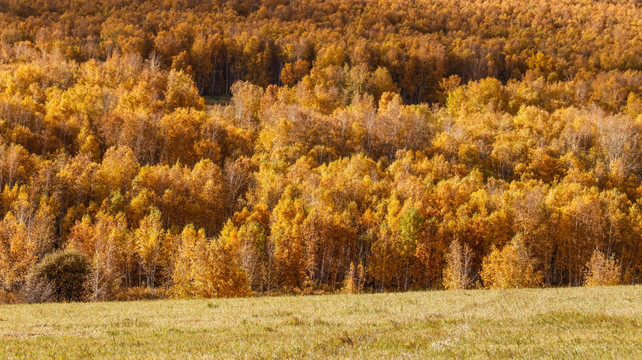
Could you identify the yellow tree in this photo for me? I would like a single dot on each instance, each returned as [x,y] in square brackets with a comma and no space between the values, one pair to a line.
[180,131]
[354,280]
[106,243]
[247,102]
[602,270]
[190,248]
[118,168]
[254,254]
[38,222]
[209,267]
[181,92]
[511,267]
[18,252]
[223,275]
[458,271]
[149,239]
[289,246]
[292,73]
[411,230]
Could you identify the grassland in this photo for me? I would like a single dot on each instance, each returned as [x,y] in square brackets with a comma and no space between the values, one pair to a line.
[586,323]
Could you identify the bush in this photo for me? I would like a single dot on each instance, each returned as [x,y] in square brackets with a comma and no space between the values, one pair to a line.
[59,276]
[8,298]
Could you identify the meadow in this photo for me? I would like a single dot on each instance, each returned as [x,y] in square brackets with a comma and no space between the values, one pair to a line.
[570,323]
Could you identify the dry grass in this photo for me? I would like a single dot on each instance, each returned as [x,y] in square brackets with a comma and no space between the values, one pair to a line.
[586,323]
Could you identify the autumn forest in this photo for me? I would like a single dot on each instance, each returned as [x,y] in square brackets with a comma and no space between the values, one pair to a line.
[183,148]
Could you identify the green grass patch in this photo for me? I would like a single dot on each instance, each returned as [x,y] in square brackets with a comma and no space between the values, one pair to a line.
[217,100]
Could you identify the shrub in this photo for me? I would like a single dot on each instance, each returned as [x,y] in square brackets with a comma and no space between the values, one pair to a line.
[8,298]
[141,293]
[602,271]
[59,276]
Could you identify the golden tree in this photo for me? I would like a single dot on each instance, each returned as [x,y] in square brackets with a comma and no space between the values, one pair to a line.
[511,267]
[289,246]
[209,267]
[149,238]
[602,270]
[18,252]
[191,245]
[224,275]
[107,244]
[354,280]
[458,273]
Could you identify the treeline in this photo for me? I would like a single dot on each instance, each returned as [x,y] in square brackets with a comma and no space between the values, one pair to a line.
[406,46]
[336,176]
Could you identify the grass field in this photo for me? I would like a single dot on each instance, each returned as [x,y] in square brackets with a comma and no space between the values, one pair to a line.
[582,323]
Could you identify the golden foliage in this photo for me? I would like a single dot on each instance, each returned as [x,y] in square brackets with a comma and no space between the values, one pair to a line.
[458,273]
[208,267]
[18,252]
[602,271]
[397,130]
[354,280]
[511,267]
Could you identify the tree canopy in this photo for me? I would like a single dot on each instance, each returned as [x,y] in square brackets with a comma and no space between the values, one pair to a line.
[364,145]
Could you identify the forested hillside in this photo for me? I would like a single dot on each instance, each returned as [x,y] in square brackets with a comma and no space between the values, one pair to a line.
[366,145]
